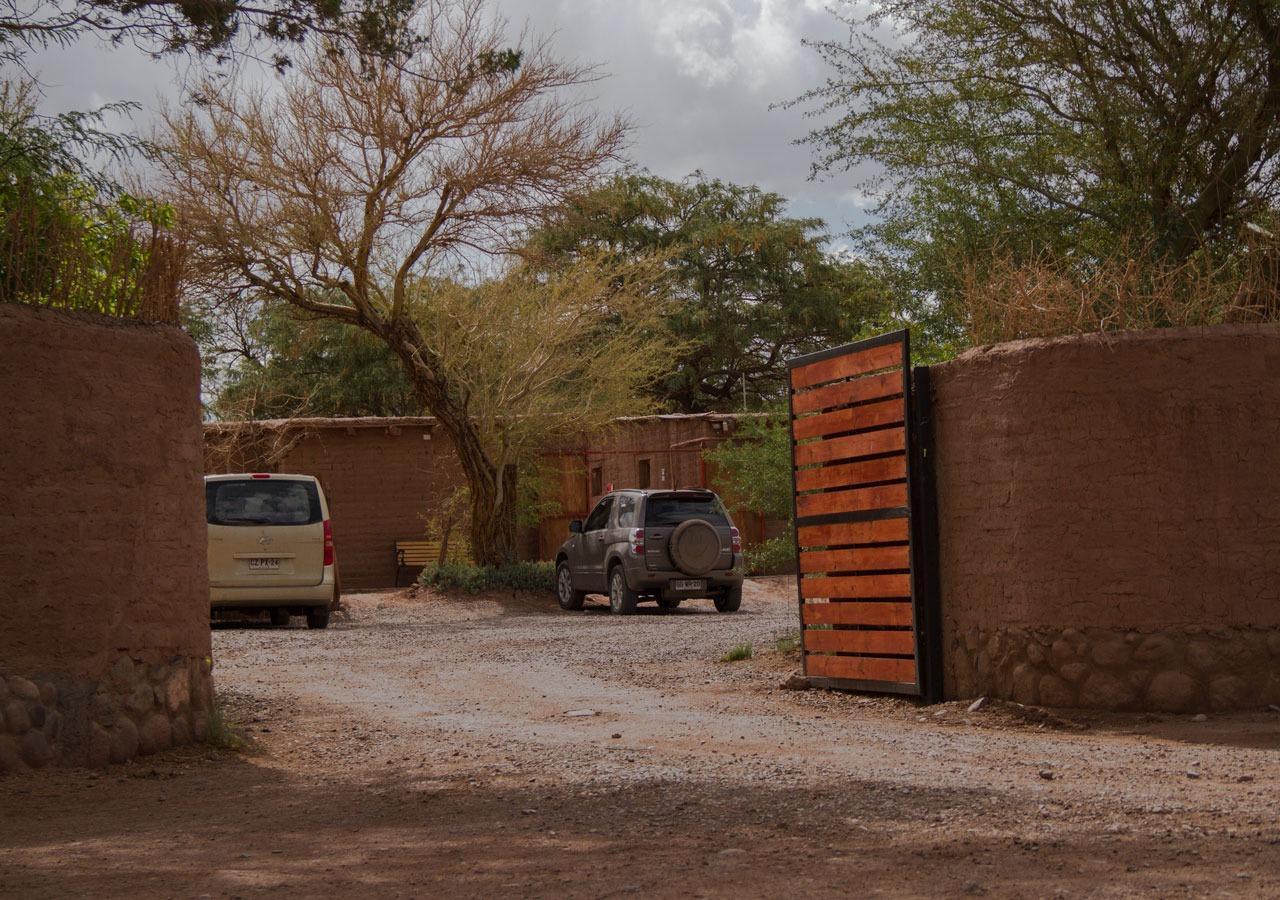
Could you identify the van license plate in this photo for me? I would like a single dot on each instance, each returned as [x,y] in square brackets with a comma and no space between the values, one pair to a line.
[692,584]
[258,564]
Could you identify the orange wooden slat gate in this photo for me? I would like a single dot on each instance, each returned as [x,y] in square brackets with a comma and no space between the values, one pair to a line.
[864,519]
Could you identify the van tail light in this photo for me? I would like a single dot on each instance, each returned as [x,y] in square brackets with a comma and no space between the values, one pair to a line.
[328,543]
[735,540]
[260,475]
[637,541]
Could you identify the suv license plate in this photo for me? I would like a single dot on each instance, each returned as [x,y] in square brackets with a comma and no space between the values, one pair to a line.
[258,564]
[691,584]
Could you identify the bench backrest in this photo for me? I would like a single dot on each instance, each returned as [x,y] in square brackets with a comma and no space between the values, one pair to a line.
[424,553]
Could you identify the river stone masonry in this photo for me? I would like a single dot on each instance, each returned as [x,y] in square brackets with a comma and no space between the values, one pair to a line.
[1192,669]
[136,709]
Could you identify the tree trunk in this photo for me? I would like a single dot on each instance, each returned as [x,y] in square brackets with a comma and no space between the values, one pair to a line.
[493,522]
[493,494]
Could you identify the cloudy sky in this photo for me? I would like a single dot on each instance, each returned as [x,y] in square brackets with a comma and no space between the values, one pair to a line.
[697,77]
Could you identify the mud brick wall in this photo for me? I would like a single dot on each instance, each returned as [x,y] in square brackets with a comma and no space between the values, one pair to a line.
[102,539]
[1110,520]
[381,483]
[384,477]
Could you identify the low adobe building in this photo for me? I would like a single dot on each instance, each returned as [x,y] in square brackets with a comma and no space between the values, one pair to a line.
[384,477]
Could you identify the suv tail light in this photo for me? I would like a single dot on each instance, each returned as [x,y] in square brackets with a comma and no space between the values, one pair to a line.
[328,543]
[735,540]
[637,541]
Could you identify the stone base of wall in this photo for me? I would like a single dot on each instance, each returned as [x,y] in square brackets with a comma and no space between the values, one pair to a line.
[1189,670]
[138,708]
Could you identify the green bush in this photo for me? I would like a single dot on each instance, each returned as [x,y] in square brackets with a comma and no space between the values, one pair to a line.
[738,653]
[774,556]
[472,579]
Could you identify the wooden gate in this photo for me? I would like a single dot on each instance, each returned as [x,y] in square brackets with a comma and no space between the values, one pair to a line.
[864,519]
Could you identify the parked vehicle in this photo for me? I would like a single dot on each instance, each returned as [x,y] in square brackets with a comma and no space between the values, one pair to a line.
[270,547]
[665,546]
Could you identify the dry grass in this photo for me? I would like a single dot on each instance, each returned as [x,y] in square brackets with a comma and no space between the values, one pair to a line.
[1005,299]
[61,262]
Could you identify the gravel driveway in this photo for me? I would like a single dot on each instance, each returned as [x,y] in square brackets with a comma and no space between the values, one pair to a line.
[498,745]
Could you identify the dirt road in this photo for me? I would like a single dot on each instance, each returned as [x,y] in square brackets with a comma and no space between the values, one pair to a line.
[422,746]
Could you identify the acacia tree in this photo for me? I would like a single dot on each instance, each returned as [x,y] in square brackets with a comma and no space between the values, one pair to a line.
[753,285]
[216,29]
[1074,127]
[349,187]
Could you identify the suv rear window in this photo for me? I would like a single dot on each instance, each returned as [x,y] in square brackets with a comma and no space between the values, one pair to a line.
[672,509]
[261,502]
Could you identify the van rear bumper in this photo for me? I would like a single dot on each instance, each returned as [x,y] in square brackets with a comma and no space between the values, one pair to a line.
[294,595]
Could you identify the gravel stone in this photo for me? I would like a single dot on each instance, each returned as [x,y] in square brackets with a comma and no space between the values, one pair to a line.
[10,757]
[141,700]
[1171,692]
[24,689]
[1154,648]
[49,694]
[99,753]
[16,716]
[35,750]
[1055,691]
[1102,690]
[124,740]
[1227,692]
[104,708]
[1111,654]
[156,734]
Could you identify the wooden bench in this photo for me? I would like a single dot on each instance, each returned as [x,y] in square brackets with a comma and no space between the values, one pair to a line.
[414,554]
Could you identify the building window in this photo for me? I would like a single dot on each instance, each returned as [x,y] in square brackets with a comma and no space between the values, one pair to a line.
[644,473]
[597,481]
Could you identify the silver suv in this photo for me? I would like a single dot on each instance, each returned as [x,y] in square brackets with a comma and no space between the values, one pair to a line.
[666,546]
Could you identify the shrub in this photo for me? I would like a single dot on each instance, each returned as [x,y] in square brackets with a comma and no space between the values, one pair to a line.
[740,652]
[771,557]
[1006,298]
[221,731]
[473,579]
[789,643]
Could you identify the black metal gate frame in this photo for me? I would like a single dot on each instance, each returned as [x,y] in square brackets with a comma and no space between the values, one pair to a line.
[922,515]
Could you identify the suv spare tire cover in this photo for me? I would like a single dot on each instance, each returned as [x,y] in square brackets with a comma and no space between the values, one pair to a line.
[695,547]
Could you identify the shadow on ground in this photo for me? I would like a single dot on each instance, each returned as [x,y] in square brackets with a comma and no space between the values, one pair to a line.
[234,825]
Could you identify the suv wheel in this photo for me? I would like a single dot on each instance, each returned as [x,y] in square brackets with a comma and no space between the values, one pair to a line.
[318,617]
[568,597]
[622,600]
[730,600]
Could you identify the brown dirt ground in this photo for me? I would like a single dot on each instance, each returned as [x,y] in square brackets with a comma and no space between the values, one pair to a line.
[420,745]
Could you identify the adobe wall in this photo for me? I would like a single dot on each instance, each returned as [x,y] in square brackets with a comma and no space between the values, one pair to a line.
[1110,519]
[381,483]
[104,642]
[382,477]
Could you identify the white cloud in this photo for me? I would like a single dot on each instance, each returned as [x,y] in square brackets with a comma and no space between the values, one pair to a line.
[698,78]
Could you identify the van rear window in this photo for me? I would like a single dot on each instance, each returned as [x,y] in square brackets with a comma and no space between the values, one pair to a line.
[674,509]
[261,502]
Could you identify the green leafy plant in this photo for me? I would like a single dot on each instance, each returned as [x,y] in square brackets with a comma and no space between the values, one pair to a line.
[738,652]
[774,556]
[789,643]
[472,579]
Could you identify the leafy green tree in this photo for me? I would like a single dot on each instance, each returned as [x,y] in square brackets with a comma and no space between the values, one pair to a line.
[216,29]
[1068,127]
[67,238]
[753,471]
[754,286]
[290,365]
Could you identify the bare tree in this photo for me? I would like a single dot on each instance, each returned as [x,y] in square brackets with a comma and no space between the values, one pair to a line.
[352,185]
